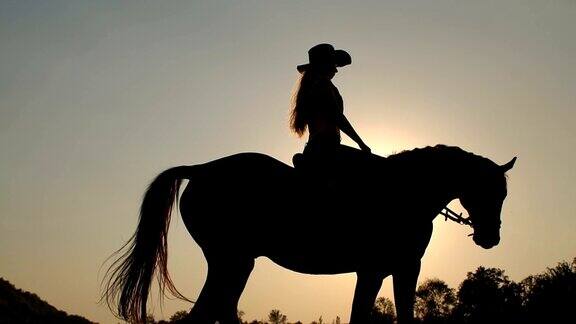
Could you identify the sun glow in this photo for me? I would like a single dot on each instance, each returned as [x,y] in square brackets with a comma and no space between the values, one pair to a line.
[388,141]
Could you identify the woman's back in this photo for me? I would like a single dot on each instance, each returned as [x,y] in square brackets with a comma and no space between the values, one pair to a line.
[324,105]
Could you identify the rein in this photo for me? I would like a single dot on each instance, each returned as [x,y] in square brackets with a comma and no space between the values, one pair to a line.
[450,214]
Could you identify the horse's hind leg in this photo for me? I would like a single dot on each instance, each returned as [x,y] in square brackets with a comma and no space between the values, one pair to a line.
[218,300]
[235,274]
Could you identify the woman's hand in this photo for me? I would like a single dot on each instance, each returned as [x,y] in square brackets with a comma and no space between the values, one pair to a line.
[347,128]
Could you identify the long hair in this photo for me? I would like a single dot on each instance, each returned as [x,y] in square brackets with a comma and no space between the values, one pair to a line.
[128,280]
[300,110]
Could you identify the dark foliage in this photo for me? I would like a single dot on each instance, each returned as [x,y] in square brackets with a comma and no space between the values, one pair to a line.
[383,311]
[435,301]
[550,297]
[488,296]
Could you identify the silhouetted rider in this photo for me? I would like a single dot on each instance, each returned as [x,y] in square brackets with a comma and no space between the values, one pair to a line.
[318,108]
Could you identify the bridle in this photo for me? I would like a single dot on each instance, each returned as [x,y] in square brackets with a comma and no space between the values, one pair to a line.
[458,218]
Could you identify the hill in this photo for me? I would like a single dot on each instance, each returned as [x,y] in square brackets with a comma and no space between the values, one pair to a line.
[17,306]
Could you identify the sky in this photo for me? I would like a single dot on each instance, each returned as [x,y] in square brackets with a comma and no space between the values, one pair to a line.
[98,97]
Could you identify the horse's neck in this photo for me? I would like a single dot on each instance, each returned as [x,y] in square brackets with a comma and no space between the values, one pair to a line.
[439,182]
[450,179]
[454,173]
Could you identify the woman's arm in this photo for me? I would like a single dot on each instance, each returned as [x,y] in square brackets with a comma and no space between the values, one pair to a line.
[347,128]
[341,120]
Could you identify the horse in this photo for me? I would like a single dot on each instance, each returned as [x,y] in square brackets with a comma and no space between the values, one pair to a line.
[250,205]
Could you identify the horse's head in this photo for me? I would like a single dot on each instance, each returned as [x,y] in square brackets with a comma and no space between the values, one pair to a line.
[483,199]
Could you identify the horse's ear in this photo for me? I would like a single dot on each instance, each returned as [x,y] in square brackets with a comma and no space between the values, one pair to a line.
[508,165]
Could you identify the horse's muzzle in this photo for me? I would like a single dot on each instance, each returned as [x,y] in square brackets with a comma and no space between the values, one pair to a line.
[486,242]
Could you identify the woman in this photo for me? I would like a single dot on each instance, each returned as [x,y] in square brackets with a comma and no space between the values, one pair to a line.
[318,108]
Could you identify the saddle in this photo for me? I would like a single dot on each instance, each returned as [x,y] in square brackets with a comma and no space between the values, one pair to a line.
[304,163]
[323,178]
[299,161]
[329,174]
[323,174]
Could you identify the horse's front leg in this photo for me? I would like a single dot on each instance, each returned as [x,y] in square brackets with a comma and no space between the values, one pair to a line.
[367,286]
[405,279]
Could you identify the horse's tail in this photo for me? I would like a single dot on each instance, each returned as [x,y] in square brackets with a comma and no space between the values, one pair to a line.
[129,278]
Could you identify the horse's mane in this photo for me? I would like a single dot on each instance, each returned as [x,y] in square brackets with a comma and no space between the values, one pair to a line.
[451,156]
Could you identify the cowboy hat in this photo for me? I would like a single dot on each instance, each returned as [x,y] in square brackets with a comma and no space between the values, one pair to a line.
[324,55]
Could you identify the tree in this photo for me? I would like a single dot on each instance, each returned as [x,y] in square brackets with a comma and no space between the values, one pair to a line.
[276,317]
[383,311]
[240,315]
[319,321]
[178,316]
[549,297]
[488,296]
[434,301]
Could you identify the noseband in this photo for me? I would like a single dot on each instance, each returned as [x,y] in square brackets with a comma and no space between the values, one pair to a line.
[450,214]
